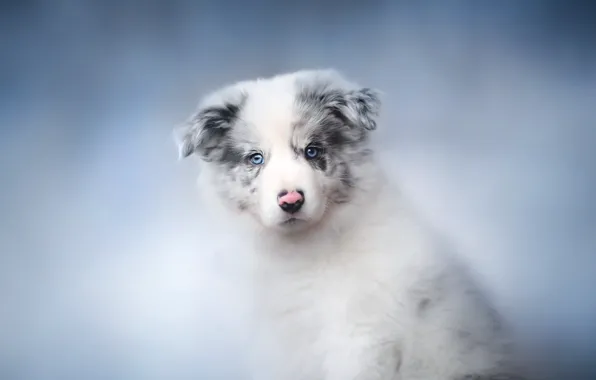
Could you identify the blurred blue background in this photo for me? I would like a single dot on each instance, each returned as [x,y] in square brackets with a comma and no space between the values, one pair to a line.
[106,268]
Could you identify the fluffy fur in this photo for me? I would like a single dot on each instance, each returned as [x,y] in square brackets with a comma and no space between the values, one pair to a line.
[353,285]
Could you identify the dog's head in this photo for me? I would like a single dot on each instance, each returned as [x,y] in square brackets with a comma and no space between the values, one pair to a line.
[287,149]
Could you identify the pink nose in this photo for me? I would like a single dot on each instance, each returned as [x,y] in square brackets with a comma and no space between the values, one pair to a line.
[291,197]
[291,201]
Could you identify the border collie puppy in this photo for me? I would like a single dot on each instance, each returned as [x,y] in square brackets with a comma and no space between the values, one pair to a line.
[348,282]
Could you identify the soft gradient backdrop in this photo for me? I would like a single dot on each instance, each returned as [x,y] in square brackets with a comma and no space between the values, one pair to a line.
[107,268]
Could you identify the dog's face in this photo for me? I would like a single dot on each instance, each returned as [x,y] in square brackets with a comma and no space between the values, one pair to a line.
[286,149]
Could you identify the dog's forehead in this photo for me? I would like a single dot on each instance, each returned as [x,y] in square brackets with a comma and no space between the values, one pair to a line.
[271,112]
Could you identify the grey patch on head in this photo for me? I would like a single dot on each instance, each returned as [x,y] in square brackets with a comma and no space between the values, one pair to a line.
[341,114]
[208,130]
[356,107]
[214,133]
[336,116]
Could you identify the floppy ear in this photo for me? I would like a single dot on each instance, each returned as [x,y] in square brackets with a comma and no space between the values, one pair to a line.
[205,132]
[357,108]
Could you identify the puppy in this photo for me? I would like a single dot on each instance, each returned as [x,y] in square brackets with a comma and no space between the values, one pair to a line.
[348,282]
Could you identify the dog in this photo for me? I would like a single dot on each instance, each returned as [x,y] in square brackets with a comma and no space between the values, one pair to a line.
[348,282]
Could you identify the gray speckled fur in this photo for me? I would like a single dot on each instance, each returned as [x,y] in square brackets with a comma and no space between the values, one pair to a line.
[332,117]
[338,121]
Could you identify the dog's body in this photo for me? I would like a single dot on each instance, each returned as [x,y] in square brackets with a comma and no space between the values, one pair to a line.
[348,283]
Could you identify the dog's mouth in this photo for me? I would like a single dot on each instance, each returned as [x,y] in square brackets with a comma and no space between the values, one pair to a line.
[292,221]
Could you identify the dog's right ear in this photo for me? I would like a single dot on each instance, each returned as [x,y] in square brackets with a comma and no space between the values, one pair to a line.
[206,130]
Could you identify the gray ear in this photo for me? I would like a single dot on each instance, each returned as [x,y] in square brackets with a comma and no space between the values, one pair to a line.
[358,108]
[206,131]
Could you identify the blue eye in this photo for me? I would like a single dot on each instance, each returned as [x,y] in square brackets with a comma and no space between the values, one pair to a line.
[311,152]
[256,159]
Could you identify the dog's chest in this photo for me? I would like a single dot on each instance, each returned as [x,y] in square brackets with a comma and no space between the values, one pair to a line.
[313,315]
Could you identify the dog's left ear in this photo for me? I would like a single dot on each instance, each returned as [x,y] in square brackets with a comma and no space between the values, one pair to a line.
[358,108]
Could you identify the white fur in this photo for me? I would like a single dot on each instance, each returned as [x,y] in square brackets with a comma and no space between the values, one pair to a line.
[364,290]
